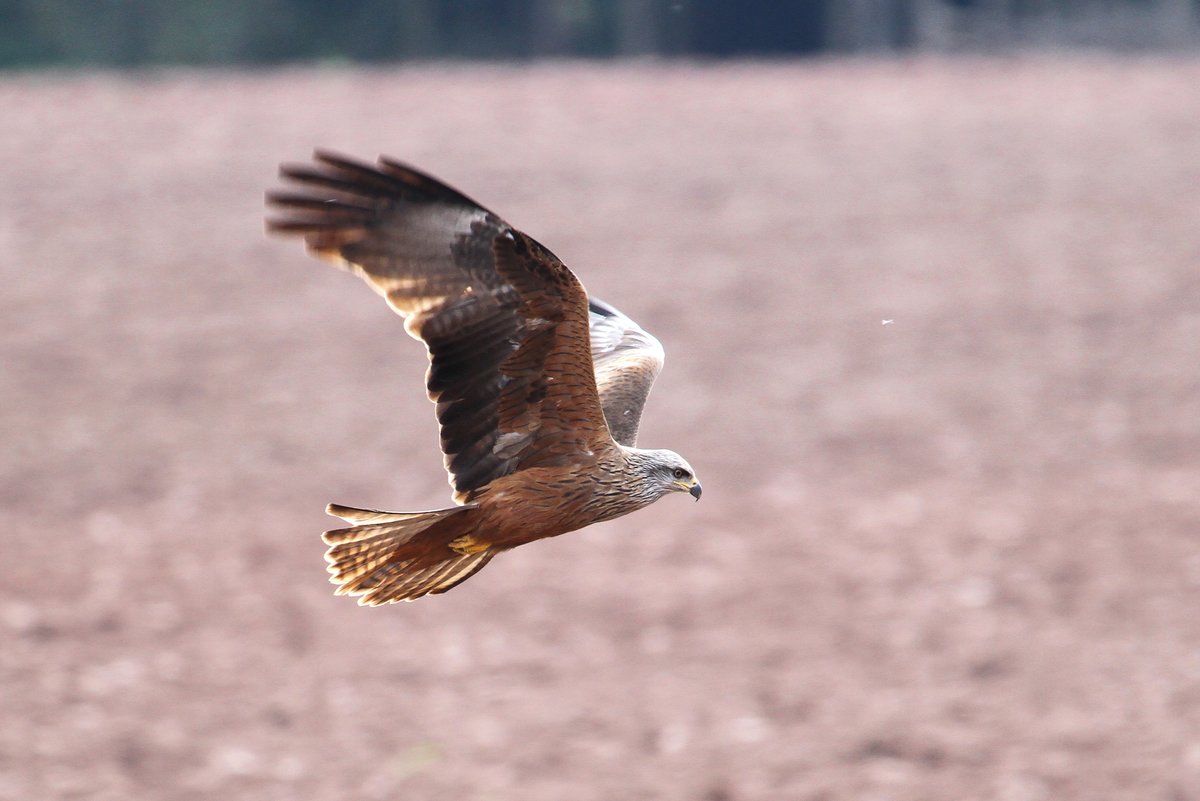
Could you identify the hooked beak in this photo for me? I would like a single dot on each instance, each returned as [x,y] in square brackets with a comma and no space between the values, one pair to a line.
[691,487]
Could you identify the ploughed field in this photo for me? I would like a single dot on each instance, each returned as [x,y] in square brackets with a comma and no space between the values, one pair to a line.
[953,556]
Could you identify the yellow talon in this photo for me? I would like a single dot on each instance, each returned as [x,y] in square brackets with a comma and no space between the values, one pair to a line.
[468,544]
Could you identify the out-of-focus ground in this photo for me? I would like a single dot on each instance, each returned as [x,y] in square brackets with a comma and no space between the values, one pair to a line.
[956,556]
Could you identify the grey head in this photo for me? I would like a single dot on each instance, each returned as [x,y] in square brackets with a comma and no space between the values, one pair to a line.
[662,471]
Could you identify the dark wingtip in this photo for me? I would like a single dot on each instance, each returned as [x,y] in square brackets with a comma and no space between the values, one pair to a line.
[597,306]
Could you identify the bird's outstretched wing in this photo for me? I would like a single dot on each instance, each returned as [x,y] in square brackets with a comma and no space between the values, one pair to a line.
[505,322]
[627,359]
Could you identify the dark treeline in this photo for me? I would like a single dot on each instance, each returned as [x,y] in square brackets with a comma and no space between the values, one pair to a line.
[148,32]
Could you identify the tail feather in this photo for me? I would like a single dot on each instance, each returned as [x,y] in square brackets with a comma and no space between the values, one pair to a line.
[402,584]
[357,516]
[399,556]
[463,570]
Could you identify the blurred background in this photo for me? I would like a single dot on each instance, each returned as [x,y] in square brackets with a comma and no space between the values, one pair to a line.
[130,33]
[926,274]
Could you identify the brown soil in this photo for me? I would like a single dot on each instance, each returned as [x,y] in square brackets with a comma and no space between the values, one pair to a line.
[954,556]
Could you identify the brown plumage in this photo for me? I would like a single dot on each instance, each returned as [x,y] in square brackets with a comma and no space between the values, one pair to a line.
[539,392]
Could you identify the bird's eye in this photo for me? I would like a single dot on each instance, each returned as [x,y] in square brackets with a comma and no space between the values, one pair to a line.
[680,473]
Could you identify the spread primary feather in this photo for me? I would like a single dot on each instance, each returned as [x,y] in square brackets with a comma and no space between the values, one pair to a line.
[538,389]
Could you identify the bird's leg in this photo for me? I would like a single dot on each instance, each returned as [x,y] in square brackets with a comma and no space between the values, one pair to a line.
[468,544]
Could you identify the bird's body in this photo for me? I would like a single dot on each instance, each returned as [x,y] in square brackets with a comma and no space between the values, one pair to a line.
[539,390]
[544,502]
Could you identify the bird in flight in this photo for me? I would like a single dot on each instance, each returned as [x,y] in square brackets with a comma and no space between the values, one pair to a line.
[539,388]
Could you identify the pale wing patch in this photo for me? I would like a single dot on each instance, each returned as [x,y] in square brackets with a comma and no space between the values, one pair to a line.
[626,359]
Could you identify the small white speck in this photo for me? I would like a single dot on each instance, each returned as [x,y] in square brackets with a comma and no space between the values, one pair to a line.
[888,322]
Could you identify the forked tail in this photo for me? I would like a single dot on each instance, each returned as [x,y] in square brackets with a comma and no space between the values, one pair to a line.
[399,556]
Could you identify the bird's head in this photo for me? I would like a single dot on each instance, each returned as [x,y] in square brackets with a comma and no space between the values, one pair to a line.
[669,472]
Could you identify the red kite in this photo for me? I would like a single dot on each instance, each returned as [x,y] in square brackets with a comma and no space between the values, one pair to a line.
[539,390]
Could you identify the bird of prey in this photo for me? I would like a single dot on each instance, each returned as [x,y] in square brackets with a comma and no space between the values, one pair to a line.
[539,389]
